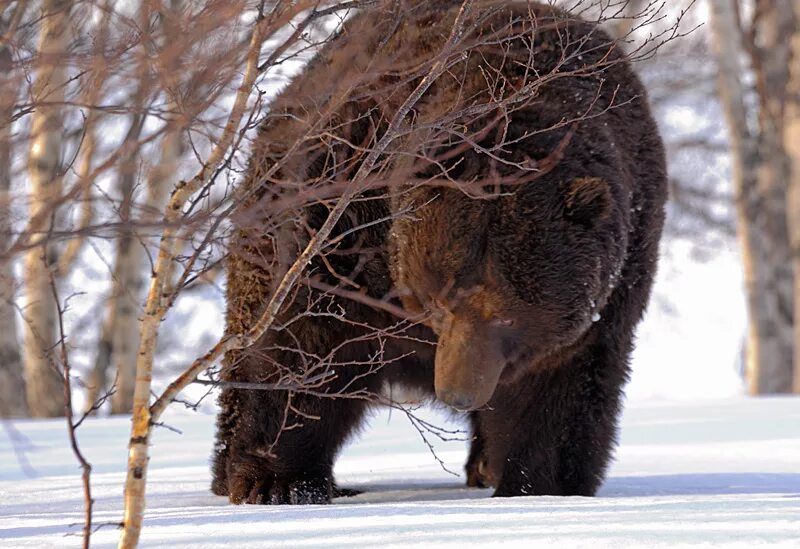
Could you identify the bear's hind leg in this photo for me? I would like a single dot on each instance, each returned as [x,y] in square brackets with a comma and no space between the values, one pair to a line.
[226,426]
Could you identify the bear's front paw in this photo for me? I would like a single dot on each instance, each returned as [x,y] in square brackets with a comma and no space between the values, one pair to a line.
[478,475]
[267,488]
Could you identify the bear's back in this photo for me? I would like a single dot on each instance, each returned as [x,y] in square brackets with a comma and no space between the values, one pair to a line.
[540,55]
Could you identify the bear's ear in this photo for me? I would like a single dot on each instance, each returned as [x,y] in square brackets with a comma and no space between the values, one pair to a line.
[587,201]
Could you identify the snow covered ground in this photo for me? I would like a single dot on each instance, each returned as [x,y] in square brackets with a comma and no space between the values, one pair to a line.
[719,473]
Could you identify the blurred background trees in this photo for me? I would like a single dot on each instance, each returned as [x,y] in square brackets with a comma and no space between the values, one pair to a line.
[755,42]
[101,102]
[12,382]
[106,104]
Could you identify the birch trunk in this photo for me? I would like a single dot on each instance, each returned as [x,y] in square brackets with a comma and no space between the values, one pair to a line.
[43,381]
[119,326]
[792,144]
[771,58]
[131,249]
[12,382]
[127,280]
[97,384]
[118,334]
[131,276]
[125,337]
[760,210]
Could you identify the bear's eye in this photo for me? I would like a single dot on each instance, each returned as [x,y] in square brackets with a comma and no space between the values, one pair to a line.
[503,322]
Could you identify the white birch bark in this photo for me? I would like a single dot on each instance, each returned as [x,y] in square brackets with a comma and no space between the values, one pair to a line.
[792,144]
[758,173]
[131,272]
[43,381]
[127,283]
[12,382]
[97,380]
[125,338]
[774,30]
[138,457]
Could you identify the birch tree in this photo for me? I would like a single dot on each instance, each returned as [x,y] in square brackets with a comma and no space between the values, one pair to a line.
[127,279]
[792,144]
[770,53]
[43,380]
[118,335]
[129,272]
[760,171]
[12,382]
[131,252]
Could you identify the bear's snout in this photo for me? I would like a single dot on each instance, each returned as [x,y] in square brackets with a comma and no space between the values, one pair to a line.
[460,401]
[468,365]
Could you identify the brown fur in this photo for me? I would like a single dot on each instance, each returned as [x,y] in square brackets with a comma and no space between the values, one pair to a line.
[534,294]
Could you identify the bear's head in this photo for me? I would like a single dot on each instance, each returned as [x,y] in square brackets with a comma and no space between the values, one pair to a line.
[510,281]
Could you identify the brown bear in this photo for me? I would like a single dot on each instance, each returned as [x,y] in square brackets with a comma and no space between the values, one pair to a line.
[525,234]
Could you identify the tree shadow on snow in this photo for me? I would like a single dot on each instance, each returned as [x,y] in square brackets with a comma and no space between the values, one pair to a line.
[412,491]
[787,484]
[702,484]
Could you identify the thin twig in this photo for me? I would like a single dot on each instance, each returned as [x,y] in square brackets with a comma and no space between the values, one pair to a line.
[88,502]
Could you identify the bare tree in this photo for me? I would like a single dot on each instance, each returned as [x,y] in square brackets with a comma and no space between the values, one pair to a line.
[95,74]
[130,256]
[630,13]
[792,143]
[761,169]
[45,172]
[127,278]
[72,425]
[12,383]
[155,310]
[683,73]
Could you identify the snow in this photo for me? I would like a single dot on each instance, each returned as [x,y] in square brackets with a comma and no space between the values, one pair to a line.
[722,473]
[694,327]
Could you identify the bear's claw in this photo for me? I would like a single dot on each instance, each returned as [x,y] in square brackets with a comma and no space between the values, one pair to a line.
[272,490]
